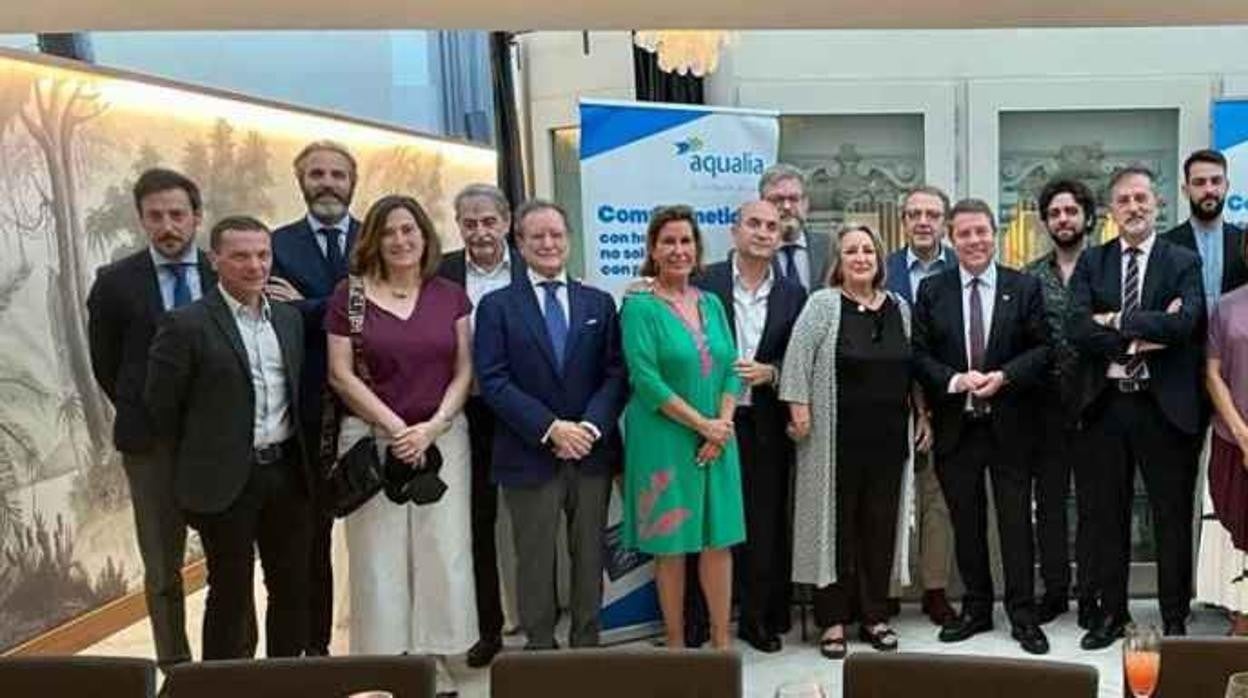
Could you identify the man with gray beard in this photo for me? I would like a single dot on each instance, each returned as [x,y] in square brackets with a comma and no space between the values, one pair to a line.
[309,259]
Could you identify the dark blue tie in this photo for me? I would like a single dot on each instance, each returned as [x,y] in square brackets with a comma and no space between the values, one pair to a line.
[181,288]
[556,321]
[790,263]
[333,251]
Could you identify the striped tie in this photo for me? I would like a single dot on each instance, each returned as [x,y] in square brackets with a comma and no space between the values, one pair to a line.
[1134,364]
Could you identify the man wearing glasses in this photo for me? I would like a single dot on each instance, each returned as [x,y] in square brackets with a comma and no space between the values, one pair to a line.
[803,256]
[923,214]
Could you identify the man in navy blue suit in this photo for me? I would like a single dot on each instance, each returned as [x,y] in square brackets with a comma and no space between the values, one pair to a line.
[924,218]
[547,354]
[309,259]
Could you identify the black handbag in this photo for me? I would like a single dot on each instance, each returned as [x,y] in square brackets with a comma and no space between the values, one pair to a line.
[358,475]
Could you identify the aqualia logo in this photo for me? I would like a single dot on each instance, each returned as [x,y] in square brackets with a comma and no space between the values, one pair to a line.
[715,164]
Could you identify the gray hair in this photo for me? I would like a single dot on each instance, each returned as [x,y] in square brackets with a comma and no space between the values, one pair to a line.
[778,173]
[930,191]
[484,191]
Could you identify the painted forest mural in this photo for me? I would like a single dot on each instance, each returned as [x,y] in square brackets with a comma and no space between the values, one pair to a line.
[72,142]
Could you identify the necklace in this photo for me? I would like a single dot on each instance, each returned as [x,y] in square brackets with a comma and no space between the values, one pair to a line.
[862,304]
[403,293]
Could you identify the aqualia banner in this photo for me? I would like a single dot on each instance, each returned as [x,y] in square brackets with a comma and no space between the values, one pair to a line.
[638,155]
[1230,135]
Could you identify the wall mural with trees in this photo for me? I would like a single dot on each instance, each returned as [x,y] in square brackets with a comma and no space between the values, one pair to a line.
[72,142]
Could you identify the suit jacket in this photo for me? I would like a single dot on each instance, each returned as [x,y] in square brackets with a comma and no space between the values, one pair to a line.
[897,274]
[454,267]
[519,380]
[297,258]
[123,307]
[1176,372]
[1234,268]
[1017,345]
[200,393]
[784,304]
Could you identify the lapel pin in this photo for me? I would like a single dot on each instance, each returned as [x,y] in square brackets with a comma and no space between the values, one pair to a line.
[1005,296]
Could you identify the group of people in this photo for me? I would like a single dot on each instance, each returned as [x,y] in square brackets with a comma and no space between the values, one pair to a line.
[785,412]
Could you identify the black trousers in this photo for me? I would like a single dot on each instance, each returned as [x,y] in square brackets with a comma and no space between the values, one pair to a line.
[320,568]
[1051,484]
[763,562]
[867,495]
[484,496]
[270,514]
[1126,431]
[961,473]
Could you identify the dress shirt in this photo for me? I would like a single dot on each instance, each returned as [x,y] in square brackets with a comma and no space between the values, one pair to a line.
[750,317]
[166,276]
[478,281]
[322,237]
[987,298]
[1116,370]
[920,270]
[801,258]
[562,293]
[1209,246]
[272,420]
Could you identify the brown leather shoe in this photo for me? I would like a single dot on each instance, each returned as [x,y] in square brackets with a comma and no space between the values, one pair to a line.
[937,607]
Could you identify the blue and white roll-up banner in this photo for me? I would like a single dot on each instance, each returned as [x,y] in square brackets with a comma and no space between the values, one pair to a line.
[636,156]
[1230,136]
[639,155]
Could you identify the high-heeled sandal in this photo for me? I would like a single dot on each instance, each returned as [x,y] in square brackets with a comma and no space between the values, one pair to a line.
[883,640]
[833,647]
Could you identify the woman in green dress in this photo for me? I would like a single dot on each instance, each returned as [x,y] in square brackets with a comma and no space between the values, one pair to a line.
[682,479]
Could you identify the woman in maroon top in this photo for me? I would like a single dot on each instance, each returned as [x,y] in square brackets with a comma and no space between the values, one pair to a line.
[410,566]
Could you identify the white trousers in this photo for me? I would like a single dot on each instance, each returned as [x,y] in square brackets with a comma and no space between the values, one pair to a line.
[410,578]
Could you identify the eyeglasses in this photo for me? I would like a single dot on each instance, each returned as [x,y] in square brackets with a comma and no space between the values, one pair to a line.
[779,199]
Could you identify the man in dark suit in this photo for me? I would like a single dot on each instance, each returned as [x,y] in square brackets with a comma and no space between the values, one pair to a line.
[222,388]
[924,213]
[980,345]
[1138,305]
[803,255]
[547,353]
[310,257]
[487,263]
[761,308]
[126,300]
[1219,244]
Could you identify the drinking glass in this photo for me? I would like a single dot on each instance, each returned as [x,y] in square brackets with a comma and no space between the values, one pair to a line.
[1141,659]
[1237,685]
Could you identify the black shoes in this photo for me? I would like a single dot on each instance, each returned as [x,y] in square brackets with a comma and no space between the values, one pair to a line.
[1089,613]
[1175,628]
[759,638]
[964,627]
[1031,638]
[482,653]
[1104,633]
[1050,607]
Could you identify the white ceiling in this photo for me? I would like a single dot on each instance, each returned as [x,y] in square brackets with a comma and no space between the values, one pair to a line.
[67,15]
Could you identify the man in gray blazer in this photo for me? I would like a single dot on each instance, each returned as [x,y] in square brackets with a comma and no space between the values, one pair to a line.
[223,392]
[803,255]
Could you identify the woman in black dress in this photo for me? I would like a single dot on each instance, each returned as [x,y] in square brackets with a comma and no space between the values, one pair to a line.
[847,377]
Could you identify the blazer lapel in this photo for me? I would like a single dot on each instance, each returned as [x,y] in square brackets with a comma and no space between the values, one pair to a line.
[959,321]
[576,321]
[1152,274]
[1003,302]
[221,314]
[151,285]
[1112,270]
[315,264]
[290,355]
[207,275]
[532,316]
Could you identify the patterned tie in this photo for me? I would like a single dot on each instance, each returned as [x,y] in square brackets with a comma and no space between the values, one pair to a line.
[556,321]
[978,405]
[1134,364]
[333,251]
[181,287]
[790,263]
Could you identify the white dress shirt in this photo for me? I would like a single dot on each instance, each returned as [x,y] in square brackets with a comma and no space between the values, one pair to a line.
[478,281]
[987,301]
[166,276]
[322,238]
[1116,370]
[749,310]
[272,420]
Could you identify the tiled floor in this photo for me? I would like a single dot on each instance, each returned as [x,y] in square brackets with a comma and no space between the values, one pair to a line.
[798,661]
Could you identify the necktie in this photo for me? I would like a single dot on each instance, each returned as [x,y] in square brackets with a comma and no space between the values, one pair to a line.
[333,251]
[1131,303]
[181,287]
[790,263]
[556,321]
[977,338]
